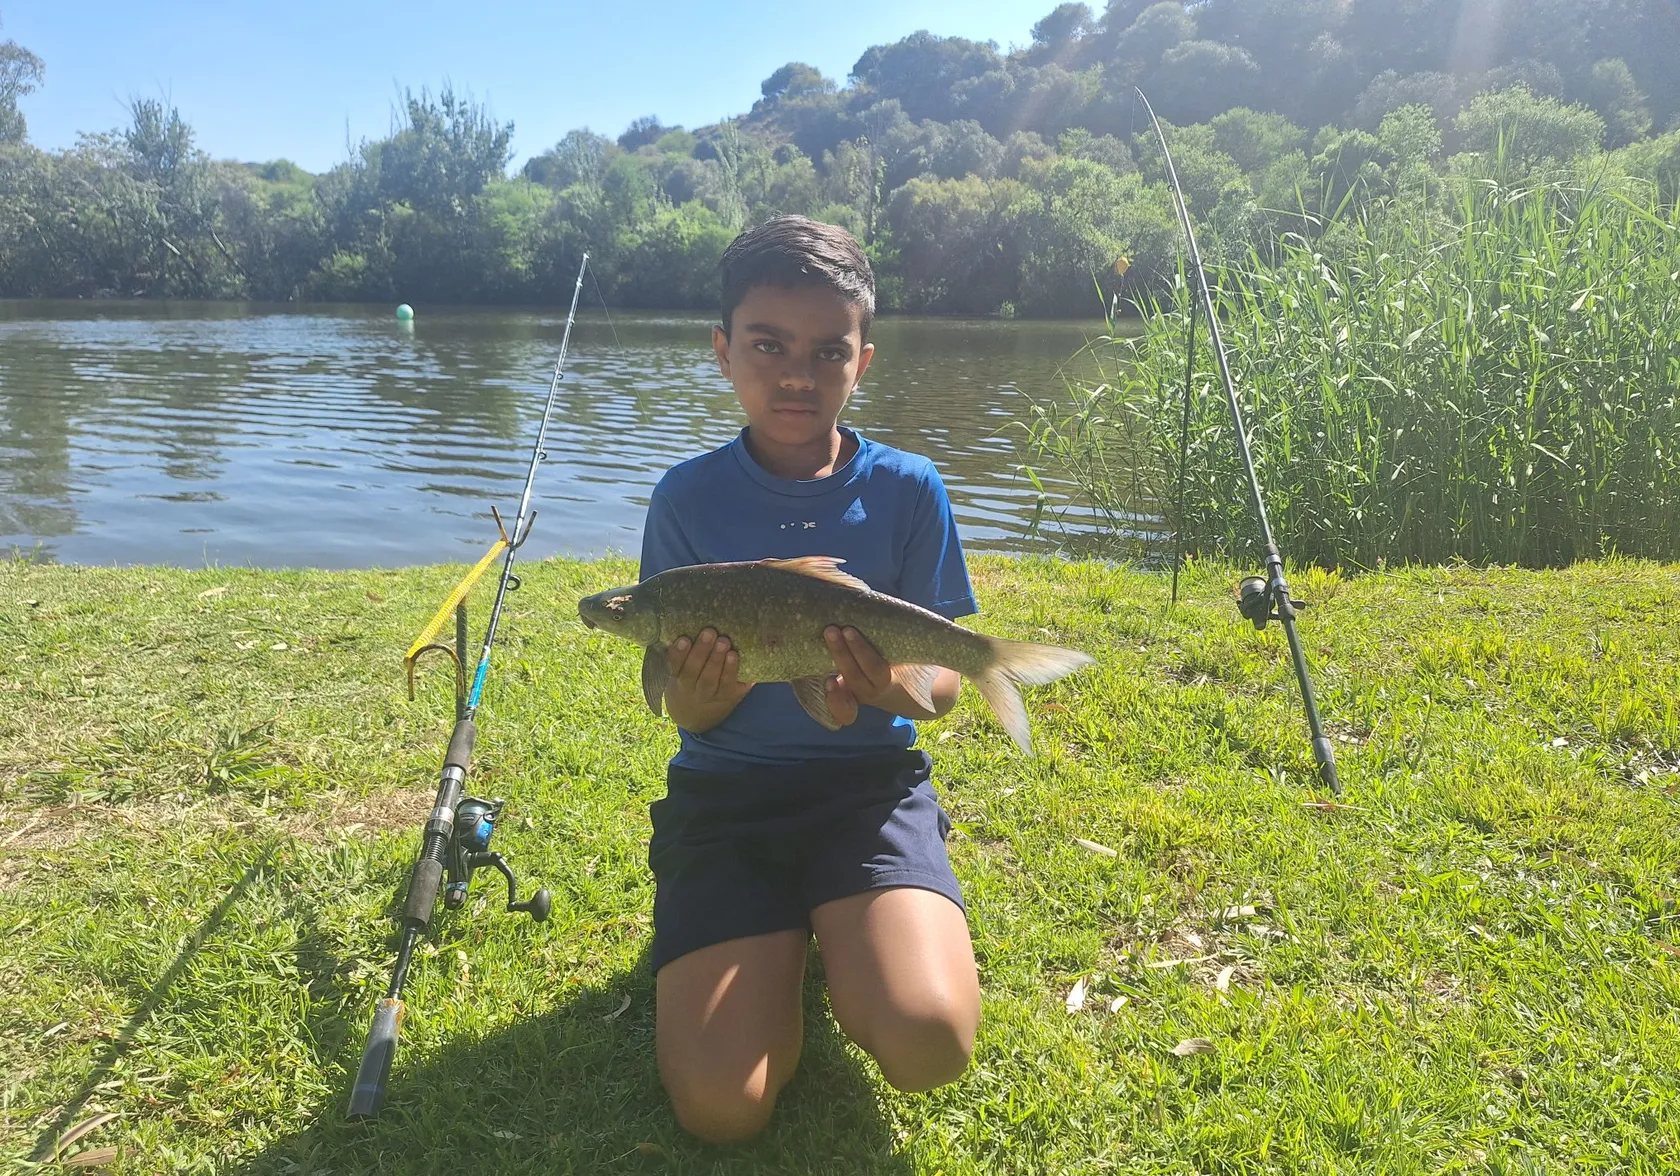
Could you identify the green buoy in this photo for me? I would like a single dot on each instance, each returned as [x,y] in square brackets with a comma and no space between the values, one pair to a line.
[405,313]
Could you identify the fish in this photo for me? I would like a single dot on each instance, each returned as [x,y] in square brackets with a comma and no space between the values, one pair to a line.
[774,612]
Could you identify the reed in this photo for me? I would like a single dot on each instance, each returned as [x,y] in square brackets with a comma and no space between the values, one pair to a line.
[1485,372]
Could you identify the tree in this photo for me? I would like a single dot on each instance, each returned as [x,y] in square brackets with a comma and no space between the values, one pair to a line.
[1058,34]
[795,80]
[20,74]
[1198,79]
[641,132]
[1411,135]
[1255,139]
[580,157]
[1390,90]
[1611,90]
[1156,30]
[922,70]
[1527,130]
[443,155]
[1074,221]
[954,250]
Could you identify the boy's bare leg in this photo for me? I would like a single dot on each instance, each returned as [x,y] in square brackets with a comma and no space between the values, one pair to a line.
[729,1032]
[902,981]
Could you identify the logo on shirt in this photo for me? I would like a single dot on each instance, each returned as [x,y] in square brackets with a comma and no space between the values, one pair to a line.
[800,526]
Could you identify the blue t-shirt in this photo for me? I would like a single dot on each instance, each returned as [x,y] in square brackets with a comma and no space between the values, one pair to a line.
[885,512]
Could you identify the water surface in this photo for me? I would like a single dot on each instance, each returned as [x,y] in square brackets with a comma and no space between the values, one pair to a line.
[334,436]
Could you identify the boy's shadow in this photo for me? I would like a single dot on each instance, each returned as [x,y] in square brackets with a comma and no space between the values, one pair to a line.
[577,1089]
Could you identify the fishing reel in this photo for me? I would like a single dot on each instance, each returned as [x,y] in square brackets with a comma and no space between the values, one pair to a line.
[1257,599]
[469,850]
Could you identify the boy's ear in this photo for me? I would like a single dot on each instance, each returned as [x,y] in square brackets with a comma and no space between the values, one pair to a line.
[864,356]
[720,346]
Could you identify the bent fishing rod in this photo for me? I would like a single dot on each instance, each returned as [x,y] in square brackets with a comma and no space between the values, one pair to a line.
[1260,599]
[456,841]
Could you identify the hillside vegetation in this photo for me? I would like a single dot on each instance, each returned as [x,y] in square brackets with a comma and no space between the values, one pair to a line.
[982,179]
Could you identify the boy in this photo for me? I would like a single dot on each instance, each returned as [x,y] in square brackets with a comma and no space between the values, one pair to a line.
[772,827]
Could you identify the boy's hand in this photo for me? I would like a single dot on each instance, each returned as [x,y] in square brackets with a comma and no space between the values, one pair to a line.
[865,679]
[703,688]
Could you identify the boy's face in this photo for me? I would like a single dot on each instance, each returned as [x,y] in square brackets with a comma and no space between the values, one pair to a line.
[794,356]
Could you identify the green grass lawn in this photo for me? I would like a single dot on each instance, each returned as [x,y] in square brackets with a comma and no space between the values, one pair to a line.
[212,785]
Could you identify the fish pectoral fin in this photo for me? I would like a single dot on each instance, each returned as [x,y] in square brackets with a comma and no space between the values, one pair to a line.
[818,567]
[917,682]
[812,694]
[656,675]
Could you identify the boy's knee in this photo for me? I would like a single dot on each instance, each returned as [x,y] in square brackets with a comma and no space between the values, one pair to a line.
[918,1052]
[715,1113]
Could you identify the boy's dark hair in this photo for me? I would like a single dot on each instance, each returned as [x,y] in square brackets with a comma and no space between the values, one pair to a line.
[797,251]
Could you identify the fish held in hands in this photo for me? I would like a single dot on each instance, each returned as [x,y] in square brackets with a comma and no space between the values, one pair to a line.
[774,613]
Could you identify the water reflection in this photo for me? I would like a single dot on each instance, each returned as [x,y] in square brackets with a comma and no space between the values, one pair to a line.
[332,436]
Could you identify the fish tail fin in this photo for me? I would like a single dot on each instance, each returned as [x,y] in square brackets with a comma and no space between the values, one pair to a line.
[1022,663]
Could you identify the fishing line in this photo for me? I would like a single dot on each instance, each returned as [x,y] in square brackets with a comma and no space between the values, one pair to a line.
[1260,599]
[603,300]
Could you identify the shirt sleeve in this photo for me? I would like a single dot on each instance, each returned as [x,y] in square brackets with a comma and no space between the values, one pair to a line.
[935,573]
[664,546]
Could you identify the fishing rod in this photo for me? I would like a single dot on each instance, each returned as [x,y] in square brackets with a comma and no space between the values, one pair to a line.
[1260,599]
[457,835]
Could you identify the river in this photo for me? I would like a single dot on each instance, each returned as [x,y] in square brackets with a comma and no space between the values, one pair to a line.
[333,436]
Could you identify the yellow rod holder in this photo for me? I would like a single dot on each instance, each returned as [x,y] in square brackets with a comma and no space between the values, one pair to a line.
[458,595]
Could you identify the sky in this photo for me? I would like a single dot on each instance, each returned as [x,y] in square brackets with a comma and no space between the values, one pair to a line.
[301,79]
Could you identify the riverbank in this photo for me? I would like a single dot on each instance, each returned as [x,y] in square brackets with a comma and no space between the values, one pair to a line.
[212,784]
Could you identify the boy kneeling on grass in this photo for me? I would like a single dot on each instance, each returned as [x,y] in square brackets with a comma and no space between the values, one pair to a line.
[773,828]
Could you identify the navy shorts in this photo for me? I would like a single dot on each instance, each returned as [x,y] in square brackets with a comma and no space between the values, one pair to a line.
[752,852]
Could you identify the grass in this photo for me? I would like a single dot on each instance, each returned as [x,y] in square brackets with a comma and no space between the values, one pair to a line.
[212,785]
[1488,372]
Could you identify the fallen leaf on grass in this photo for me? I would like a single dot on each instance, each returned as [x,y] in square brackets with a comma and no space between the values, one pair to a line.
[97,1158]
[278,646]
[1160,964]
[1076,997]
[1192,1045]
[375,597]
[244,644]
[1114,1005]
[1193,940]
[1239,912]
[1223,981]
[81,1130]
[1094,847]
[619,1010]
[652,1149]
[218,590]
[503,1133]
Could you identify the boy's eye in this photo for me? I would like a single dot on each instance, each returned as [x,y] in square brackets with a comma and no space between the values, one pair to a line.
[768,346]
[832,355]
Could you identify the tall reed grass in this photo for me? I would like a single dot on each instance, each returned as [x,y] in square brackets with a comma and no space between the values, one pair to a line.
[1488,373]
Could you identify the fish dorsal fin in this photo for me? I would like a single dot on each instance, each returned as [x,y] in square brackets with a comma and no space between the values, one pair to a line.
[818,567]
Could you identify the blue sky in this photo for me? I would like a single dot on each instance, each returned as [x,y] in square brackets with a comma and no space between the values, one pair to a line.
[295,78]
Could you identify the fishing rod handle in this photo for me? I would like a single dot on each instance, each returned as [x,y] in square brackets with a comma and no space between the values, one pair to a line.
[428,869]
[375,1069]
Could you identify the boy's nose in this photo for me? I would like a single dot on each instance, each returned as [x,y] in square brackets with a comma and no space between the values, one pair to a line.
[798,375]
